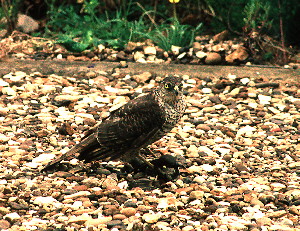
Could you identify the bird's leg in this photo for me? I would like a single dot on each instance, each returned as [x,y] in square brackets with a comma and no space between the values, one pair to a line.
[142,158]
[149,152]
[136,162]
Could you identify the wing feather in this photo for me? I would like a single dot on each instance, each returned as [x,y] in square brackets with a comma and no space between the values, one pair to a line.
[127,129]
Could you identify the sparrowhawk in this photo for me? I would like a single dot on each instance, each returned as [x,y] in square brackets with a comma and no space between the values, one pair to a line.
[132,127]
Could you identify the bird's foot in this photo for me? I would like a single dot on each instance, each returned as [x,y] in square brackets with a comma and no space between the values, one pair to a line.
[166,167]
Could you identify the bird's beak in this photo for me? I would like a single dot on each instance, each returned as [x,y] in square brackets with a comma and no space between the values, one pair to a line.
[176,90]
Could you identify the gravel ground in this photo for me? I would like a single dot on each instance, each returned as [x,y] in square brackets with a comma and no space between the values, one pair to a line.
[239,136]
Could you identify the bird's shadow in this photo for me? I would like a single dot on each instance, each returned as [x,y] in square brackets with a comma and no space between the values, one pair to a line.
[136,172]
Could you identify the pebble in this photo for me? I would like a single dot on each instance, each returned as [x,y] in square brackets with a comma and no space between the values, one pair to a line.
[195,195]
[206,90]
[142,78]
[128,212]
[149,50]
[192,151]
[77,194]
[277,214]
[151,218]
[113,223]
[81,219]
[44,201]
[4,224]
[213,58]
[12,217]
[239,172]
[200,54]
[97,221]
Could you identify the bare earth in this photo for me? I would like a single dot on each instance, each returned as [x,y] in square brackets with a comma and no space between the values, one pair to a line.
[70,68]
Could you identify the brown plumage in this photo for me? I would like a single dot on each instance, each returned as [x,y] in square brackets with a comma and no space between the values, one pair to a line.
[132,127]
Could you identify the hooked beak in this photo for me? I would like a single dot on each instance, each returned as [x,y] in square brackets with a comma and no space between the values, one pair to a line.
[176,89]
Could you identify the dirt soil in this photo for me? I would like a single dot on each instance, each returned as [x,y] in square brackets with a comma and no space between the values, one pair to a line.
[71,68]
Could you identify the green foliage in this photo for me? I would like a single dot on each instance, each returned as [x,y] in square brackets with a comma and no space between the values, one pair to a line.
[174,33]
[85,29]
[88,24]
[89,29]
[9,10]
[256,16]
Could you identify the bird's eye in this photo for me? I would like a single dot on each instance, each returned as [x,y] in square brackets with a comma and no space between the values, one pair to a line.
[168,86]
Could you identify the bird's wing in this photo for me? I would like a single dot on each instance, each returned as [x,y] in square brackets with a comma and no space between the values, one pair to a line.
[128,128]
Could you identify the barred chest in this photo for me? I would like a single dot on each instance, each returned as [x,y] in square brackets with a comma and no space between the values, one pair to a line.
[173,115]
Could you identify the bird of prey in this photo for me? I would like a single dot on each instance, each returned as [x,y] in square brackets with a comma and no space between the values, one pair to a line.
[132,127]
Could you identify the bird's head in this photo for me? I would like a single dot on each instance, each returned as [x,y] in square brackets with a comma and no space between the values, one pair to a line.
[171,88]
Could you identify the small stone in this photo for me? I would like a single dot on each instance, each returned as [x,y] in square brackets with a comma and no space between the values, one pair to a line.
[78,194]
[4,224]
[128,212]
[277,186]
[245,81]
[175,50]
[263,221]
[161,225]
[195,169]
[149,50]
[241,167]
[138,56]
[97,221]
[207,150]
[114,223]
[121,55]
[151,218]
[3,83]
[188,228]
[206,90]
[9,91]
[81,219]
[66,129]
[213,58]
[201,54]
[182,55]
[277,214]
[192,151]
[227,157]
[44,201]
[26,24]
[12,217]
[240,54]
[295,210]
[221,36]
[199,179]
[203,127]
[109,183]
[207,168]
[119,216]
[142,78]
[130,46]
[195,195]
[4,210]
[264,99]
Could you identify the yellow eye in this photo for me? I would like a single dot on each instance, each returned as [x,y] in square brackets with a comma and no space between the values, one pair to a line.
[174,1]
[167,85]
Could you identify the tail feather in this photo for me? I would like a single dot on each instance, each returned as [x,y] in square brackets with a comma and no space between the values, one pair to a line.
[88,143]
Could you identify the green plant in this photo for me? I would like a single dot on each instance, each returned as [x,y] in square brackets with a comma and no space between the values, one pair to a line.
[256,16]
[174,33]
[10,9]
[84,28]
